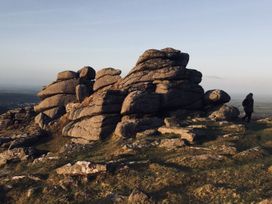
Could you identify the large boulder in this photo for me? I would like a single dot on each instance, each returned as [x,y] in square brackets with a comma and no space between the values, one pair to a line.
[55,101]
[109,101]
[165,64]
[106,81]
[96,117]
[86,73]
[93,128]
[139,102]
[216,97]
[225,112]
[182,97]
[166,53]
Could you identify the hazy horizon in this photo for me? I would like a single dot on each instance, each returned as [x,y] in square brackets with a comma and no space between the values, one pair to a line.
[229,42]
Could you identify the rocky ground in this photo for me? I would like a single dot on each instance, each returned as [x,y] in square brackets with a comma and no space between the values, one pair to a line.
[231,163]
[153,136]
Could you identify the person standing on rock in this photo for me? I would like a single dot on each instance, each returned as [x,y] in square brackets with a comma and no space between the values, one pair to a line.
[248,104]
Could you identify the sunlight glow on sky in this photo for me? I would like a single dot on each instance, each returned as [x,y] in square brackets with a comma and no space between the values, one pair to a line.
[228,41]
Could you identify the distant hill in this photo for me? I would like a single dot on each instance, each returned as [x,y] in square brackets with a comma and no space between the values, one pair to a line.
[12,100]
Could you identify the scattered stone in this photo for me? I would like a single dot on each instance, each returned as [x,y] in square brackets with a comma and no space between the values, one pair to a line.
[140,197]
[266,201]
[25,140]
[270,169]
[147,133]
[172,143]
[80,141]
[250,154]
[171,122]
[190,135]
[267,121]
[82,168]
[213,194]
[16,154]
[16,117]
[225,149]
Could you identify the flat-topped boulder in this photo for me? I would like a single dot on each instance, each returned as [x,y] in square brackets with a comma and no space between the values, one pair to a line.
[107,71]
[105,78]
[166,53]
[65,75]
[55,101]
[189,134]
[59,87]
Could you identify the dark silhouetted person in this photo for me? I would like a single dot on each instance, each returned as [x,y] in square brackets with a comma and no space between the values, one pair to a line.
[248,104]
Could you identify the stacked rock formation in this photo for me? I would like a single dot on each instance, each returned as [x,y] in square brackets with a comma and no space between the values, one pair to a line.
[159,83]
[69,87]
[98,115]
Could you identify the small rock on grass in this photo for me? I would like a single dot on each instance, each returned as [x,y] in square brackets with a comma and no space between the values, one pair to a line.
[82,168]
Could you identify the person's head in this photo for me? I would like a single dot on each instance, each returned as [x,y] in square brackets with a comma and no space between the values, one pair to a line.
[250,95]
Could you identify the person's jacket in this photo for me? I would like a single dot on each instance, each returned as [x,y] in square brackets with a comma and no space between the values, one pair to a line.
[248,104]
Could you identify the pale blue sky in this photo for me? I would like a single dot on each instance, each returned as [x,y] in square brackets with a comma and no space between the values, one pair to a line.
[228,41]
